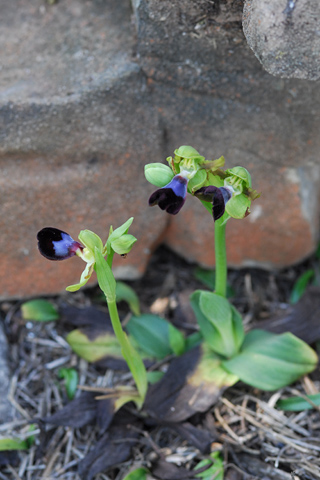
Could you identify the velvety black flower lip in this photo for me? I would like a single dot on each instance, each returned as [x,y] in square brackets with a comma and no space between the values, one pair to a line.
[218,196]
[55,244]
[171,197]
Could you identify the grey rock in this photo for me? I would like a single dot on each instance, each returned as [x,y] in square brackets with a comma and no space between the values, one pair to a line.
[285,36]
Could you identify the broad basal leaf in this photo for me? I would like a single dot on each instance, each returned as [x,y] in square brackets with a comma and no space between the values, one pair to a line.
[39,310]
[155,335]
[128,295]
[269,361]
[101,346]
[297,404]
[193,383]
[220,323]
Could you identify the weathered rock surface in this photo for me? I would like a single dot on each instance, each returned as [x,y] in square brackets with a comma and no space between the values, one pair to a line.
[285,36]
[77,127]
[87,99]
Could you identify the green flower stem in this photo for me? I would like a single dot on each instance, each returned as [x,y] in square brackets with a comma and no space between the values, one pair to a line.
[107,284]
[116,324]
[130,355]
[221,258]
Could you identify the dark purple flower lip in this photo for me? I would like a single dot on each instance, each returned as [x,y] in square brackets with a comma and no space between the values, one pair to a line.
[218,196]
[55,244]
[171,197]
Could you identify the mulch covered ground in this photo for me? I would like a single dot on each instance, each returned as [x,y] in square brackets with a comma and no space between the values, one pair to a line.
[255,438]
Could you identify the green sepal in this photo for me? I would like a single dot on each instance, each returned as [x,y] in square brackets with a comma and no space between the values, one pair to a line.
[158,174]
[269,361]
[90,240]
[185,151]
[238,206]
[197,181]
[105,276]
[214,180]
[123,244]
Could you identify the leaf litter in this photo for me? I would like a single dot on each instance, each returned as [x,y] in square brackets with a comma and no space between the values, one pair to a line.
[87,439]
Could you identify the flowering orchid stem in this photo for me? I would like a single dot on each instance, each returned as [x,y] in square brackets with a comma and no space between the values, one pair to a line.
[107,284]
[221,258]
[130,355]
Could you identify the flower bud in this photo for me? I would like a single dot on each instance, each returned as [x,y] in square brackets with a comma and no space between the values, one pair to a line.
[123,244]
[158,174]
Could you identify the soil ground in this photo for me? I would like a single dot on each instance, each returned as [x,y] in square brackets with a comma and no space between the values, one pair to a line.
[256,439]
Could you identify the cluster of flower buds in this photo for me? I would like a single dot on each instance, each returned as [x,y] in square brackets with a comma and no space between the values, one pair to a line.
[229,191]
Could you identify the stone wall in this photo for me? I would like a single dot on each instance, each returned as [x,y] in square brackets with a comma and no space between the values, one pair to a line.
[92,91]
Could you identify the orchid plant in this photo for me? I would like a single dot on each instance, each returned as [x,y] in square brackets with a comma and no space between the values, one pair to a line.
[55,244]
[259,358]
[228,354]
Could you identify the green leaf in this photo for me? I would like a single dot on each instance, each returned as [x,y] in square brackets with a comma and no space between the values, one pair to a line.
[31,440]
[219,322]
[105,276]
[154,376]
[105,345]
[70,375]
[210,371]
[208,278]
[177,340]
[215,472]
[13,444]
[39,310]
[151,334]
[138,474]
[300,285]
[206,275]
[269,361]
[137,369]
[193,340]
[124,293]
[297,404]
